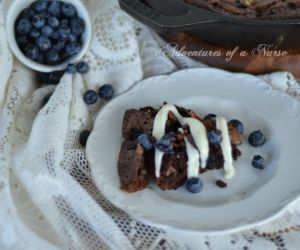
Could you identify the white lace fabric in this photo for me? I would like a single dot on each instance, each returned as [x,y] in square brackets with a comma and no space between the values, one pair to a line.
[48,199]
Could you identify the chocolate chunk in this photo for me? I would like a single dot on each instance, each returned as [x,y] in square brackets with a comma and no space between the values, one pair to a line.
[221,184]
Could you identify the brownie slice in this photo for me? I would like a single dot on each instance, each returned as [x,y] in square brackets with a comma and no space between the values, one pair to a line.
[131,167]
[137,121]
[173,172]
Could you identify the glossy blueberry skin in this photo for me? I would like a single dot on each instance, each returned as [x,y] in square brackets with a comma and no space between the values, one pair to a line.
[72,38]
[73,49]
[77,26]
[68,10]
[52,56]
[106,92]
[54,8]
[53,22]
[258,162]
[71,68]
[257,139]
[47,31]
[39,6]
[46,99]
[32,52]
[64,31]
[59,45]
[214,137]
[27,13]
[43,43]
[83,137]
[24,26]
[165,144]
[22,41]
[210,116]
[83,68]
[145,141]
[90,97]
[238,125]
[38,22]
[194,185]
[34,33]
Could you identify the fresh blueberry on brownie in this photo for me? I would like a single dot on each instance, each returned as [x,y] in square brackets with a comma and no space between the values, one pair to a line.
[165,144]
[106,92]
[145,141]
[257,139]
[54,27]
[90,97]
[214,137]
[83,137]
[194,185]
[238,125]
[258,162]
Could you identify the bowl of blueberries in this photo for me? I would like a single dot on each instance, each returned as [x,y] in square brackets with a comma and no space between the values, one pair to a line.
[47,35]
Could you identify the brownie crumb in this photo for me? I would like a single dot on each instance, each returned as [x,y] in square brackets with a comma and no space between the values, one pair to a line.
[221,184]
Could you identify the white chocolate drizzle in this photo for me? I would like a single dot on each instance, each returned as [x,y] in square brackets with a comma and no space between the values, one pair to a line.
[221,125]
[197,129]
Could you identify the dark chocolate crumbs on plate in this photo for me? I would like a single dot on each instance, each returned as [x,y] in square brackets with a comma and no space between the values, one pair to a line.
[221,184]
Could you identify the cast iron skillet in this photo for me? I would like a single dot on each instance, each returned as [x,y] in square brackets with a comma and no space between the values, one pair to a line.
[166,16]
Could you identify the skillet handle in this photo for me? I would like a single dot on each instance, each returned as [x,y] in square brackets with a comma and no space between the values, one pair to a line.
[162,23]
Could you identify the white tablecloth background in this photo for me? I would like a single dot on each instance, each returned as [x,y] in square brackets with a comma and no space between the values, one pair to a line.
[47,197]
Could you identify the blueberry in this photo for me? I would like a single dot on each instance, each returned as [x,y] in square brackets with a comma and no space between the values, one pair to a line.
[214,137]
[46,99]
[53,22]
[27,13]
[55,35]
[258,162]
[64,22]
[106,92]
[43,43]
[22,41]
[32,52]
[90,97]
[47,31]
[77,26]
[165,144]
[83,68]
[52,57]
[194,185]
[59,45]
[257,139]
[83,137]
[38,21]
[71,68]
[73,49]
[40,59]
[54,8]
[72,38]
[145,141]
[68,10]
[45,14]
[24,26]
[238,125]
[64,31]
[34,33]
[40,5]
[210,116]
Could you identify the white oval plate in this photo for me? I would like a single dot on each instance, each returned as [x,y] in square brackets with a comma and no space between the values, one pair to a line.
[252,196]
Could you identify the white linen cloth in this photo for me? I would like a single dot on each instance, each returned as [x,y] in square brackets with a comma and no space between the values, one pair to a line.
[47,197]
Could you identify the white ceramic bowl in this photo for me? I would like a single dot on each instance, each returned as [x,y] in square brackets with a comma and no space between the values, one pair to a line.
[17,6]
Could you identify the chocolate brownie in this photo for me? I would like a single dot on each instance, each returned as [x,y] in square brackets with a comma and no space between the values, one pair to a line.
[132,168]
[271,9]
[136,166]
